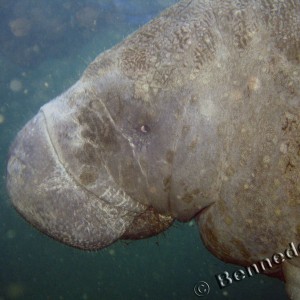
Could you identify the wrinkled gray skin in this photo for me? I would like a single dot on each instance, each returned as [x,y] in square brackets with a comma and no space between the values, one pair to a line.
[197,114]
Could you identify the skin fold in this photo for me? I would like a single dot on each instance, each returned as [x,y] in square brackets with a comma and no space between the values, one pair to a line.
[195,115]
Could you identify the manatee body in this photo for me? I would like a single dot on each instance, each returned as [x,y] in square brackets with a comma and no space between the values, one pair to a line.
[196,115]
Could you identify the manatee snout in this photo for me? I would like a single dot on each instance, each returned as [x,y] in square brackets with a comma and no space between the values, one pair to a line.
[47,196]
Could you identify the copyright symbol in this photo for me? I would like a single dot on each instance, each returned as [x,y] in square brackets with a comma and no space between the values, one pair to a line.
[201,289]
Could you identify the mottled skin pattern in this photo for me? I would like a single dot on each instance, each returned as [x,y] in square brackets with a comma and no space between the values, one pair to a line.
[197,114]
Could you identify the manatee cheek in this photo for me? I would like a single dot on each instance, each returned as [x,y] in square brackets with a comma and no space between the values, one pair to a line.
[47,196]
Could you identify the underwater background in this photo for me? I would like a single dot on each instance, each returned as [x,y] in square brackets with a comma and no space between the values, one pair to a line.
[45,46]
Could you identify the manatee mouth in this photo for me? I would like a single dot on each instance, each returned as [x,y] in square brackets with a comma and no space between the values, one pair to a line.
[202,211]
[49,198]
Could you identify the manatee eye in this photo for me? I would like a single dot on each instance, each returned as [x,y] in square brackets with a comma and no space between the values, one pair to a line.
[144,128]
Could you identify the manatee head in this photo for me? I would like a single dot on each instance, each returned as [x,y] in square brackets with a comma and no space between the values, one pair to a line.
[196,115]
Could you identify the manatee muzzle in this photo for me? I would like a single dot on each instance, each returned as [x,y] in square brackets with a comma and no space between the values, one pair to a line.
[45,193]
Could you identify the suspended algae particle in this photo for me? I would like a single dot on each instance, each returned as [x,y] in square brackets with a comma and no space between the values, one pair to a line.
[15,291]
[20,27]
[85,296]
[225,294]
[87,17]
[2,119]
[112,252]
[10,234]
[16,85]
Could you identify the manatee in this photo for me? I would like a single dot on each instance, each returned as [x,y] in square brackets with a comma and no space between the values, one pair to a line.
[194,116]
